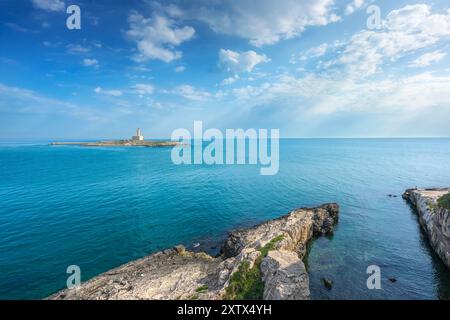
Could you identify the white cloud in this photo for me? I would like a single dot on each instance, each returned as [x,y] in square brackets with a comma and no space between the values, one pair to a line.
[403,32]
[143,89]
[49,5]
[322,94]
[157,37]
[428,58]
[315,52]
[238,62]
[353,6]
[262,22]
[90,63]
[114,93]
[180,69]
[345,82]
[76,49]
[230,80]
[191,93]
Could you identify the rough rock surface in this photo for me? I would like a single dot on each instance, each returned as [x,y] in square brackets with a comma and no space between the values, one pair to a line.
[285,276]
[180,274]
[434,220]
[297,227]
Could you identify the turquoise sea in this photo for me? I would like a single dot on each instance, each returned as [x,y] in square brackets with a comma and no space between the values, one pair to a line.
[101,207]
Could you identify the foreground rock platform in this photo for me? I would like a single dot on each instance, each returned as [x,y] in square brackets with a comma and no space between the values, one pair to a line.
[275,248]
[434,220]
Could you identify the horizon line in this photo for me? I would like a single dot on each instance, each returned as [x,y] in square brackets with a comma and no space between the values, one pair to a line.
[281,138]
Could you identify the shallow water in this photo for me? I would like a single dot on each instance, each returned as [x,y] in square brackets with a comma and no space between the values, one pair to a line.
[101,207]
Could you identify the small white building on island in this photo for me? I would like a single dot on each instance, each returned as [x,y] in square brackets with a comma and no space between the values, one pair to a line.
[138,136]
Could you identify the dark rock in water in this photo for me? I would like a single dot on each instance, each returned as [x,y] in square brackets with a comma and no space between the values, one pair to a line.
[393,280]
[392,196]
[327,283]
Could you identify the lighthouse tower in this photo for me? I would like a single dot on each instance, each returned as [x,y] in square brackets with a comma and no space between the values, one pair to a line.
[138,136]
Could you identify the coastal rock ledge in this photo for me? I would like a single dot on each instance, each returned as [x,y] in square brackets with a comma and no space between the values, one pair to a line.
[262,262]
[434,219]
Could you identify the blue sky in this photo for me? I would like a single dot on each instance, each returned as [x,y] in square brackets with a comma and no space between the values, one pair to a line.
[308,68]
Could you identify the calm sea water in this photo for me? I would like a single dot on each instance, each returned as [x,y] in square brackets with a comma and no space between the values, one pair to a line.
[101,207]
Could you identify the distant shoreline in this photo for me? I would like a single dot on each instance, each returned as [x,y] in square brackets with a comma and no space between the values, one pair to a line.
[119,143]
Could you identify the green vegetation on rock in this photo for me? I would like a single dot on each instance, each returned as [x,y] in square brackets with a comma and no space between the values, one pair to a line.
[246,283]
[444,201]
[270,246]
[202,289]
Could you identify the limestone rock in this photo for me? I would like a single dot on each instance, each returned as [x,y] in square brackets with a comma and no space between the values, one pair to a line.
[285,276]
[433,219]
[298,227]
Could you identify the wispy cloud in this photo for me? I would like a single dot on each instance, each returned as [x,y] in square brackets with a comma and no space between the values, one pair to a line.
[19,28]
[49,5]
[114,93]
[191,93]
[427,59]
[143,89]
[77,49]
[91,63]
[29,102]
[180,69]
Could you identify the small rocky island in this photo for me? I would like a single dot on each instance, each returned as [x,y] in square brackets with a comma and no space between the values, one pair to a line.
[263,262]
[433,208]
[136,141]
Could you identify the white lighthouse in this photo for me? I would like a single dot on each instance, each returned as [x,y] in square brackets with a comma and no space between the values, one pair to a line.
[138,136]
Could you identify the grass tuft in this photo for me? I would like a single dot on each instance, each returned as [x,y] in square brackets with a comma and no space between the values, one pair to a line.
[202,289]
[444,201]
[246,282]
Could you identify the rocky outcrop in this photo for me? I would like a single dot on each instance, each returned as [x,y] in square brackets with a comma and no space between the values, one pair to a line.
[276,247]
[297,228]
[284,276]
[434,219]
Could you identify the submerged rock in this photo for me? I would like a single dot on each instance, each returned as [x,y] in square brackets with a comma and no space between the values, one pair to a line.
[434,219]
[272,248]
[327,283]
